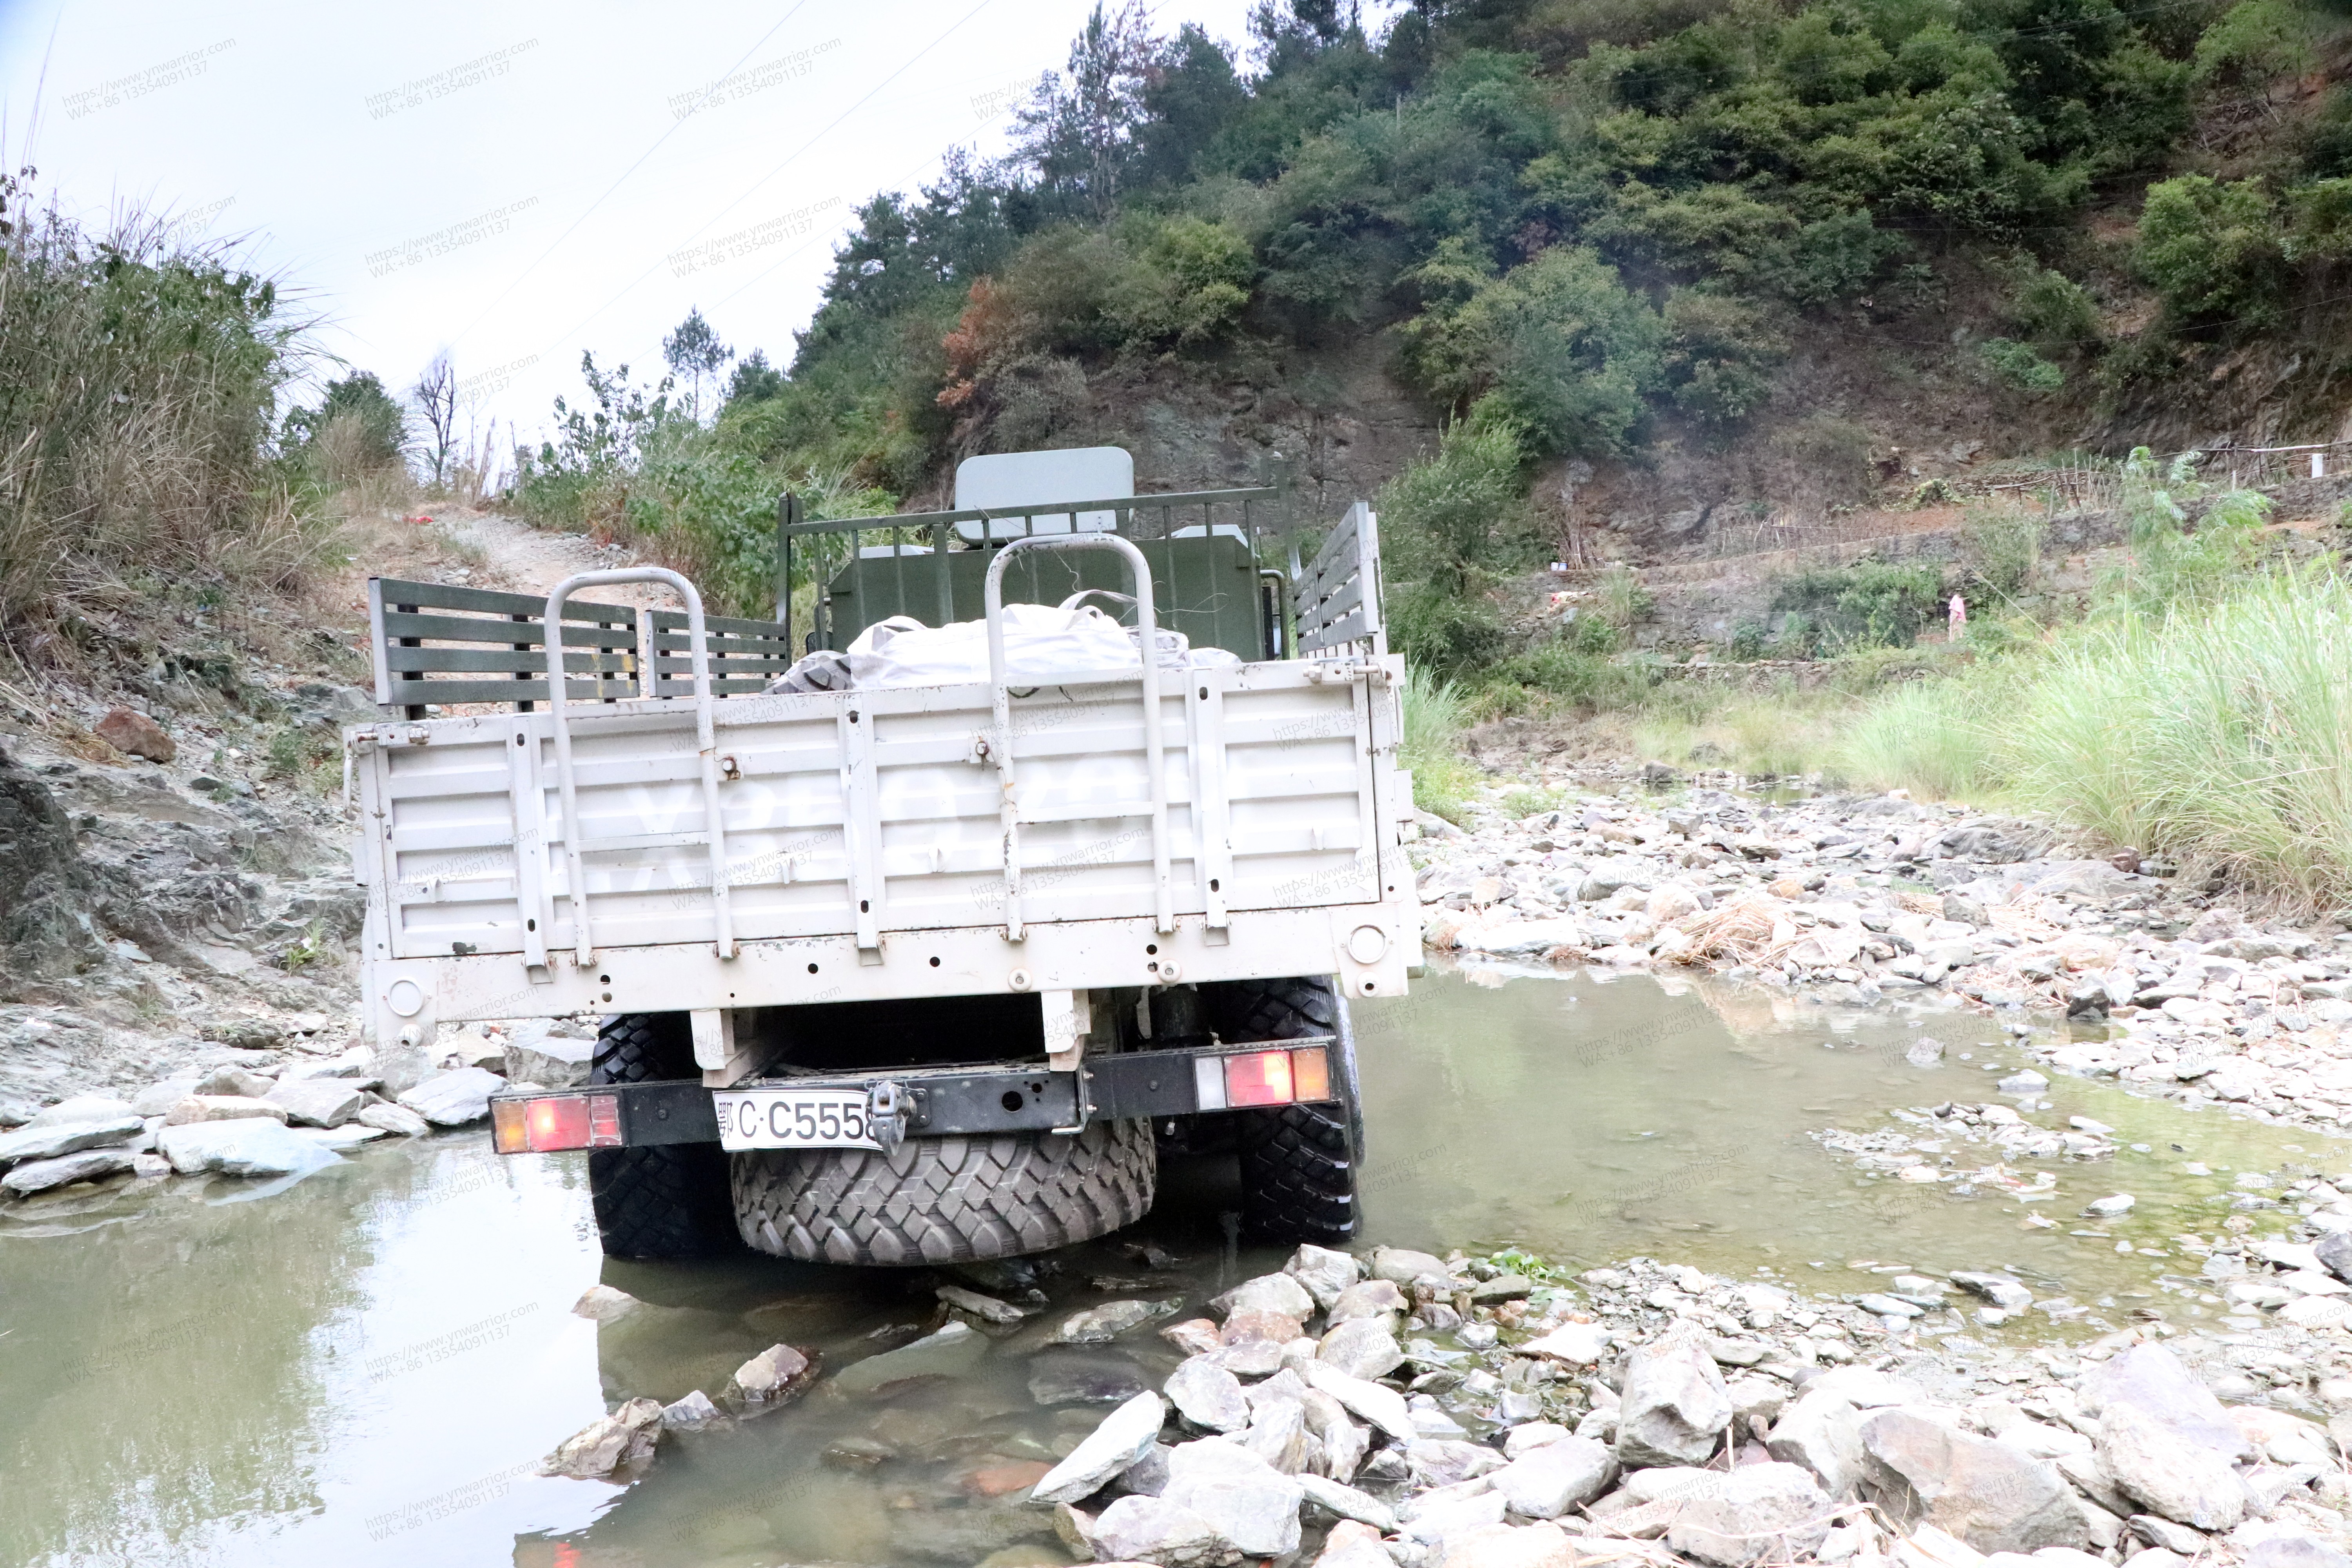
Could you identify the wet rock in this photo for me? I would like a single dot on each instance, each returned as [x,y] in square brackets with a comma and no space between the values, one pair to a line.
[952,1351]
[1277,1293]
[1346,1502]
[454,1098]
[1573,1344]
[1984,1492]
[1148,1475]
[1363,1349]
[1756,1513]
[30,1142]
[1377,1298]
[1140,1529]
[1674,1406]
[772,1378]
[1243,1327]
[1002,1478]
[32,1176]
[395,1118]
[2152,1380]
[1501,1287]
[135,734]
[1406,1267]
[1822,1433]
[1323,1272]
[531,1055]
[1384,1407]
[201,1108]
[987,1308]
[1208,1396]
[2168,1471]
[1277,1434]
[1193,1336]
[1124,1436]
[1252,1358]
[617,1443]
[1924,1052]
[1100,1325]
[1248,1501]
[691,1413]
[2109,1208]
[1511,1546]
[605,1304]
[1548,1481]
[245,1146]
[1081,1377]
[318,1101]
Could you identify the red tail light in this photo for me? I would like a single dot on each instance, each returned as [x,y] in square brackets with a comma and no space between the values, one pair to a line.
[1297,1075]
[557,1121]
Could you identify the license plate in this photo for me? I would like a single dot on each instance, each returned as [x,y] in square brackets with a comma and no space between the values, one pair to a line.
[793,1119]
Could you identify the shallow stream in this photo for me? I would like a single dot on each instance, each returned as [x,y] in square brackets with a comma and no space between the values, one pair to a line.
[367,1367]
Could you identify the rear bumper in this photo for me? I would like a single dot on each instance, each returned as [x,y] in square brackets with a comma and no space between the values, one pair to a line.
[959,1101]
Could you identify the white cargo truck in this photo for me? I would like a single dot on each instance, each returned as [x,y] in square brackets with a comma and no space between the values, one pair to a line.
[917,948]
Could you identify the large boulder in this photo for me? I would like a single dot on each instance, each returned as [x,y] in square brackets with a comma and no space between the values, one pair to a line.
[245,1146]
[1548,1481]
[2152,1380]
[135,735]
[1248,1501]
[1125,1436]
[454,1098]
[31,1142]
[1280,1294]
[1755,1513]
[1140,1529]
[2169,1470]
[318,1101]
[1674,1407]
[532,1055]
[1823,1432]
[1986,1493]
[1324,1273]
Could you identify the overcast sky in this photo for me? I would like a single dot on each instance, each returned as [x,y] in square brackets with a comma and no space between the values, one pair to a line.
[515,181]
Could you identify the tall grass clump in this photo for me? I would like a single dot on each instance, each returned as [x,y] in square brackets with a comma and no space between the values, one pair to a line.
[139,373]
[1436,713]
[1930,737]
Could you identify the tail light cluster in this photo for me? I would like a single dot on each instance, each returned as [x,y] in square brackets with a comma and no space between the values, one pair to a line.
[1295,1076]
[539,1126]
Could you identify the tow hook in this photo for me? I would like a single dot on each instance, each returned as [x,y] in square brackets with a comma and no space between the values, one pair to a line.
[886,1115]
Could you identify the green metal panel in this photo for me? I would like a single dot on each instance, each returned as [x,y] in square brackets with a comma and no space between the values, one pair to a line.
[1206,586]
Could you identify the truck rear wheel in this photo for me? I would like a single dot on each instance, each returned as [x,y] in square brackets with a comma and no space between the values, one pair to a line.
[946,1200]
[669,1200]
[1299,1163]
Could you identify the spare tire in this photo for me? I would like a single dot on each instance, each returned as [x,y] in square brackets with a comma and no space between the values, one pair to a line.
[669,1200]
[945,1200]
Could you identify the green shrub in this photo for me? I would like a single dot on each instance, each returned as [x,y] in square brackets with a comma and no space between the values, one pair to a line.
[2017,366]
[1435,715]
[2212,251]
[2254,42]
[1185,284]
[2052,310]
[1872,604]
[1719,354]
[2004,548]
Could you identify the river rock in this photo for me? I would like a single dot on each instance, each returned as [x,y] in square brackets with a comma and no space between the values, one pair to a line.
[1122,1438]
[1575,1344]
[1822,1433]
[1143,1528]
[772,1377]
[318,1101]
[1406,1267]
[1277,1434]
[602,1303]
[1756,1513]
[1439,1462]
[621,1441]
[1353,1544]
[1208,1396]
[987,1308]
[1280,1294]
[1674,1405]
[2001,1290]
[83,1107]
[242,1146]
[157,1099]
[531,1055]
[233,1080]
[395,1118]
[1363,1349]
[1547,1482]
[951,1351]
[1376,1299]
[33,1176]
[30,1142]
[1542,1545]
[200,1107]
[1147,1475]
[2335,1252]
[1441,1519]
[1084,1377]
[136,735]
[691,1413]
[454,1098]
[2152,1380]
[1346,1502]
[1530,1436]
[1250,1503]
[1377,1403]
[1243,1327]
[1100,1325]
[2168,1471]
[1986,1493]
[1324,1273]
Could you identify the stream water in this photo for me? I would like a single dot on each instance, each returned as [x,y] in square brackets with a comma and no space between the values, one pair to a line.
[366,1368]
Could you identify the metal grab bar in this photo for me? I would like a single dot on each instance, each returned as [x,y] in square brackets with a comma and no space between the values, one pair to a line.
[1147,624]
[706,739]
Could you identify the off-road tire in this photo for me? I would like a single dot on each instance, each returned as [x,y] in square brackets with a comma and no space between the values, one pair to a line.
[669,1200]
[1299,1163]
[945,1200]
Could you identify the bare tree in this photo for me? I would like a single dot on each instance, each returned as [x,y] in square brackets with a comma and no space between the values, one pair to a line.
[435,393]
